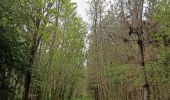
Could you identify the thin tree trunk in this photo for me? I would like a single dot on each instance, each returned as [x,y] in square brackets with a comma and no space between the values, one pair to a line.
[27,85]
[28,77]
[146,86]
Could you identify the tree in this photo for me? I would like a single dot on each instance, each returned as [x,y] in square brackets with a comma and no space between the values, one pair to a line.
[12,49]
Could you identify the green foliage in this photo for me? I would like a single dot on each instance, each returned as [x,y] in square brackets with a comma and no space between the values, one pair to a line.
[117,72]
[161,15]
[67,51]
[82,99]
[12,50]
[59,57]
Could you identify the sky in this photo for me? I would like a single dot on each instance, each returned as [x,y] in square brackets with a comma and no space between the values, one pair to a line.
[82,6]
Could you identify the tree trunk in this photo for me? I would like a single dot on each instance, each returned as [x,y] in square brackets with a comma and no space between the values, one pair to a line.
[33,50]
[27,85]
[146,87]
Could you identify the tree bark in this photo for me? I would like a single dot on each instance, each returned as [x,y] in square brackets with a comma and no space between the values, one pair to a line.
[146,86]
[33,50]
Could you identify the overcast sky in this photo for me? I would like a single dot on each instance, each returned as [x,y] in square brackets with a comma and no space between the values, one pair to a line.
[82,6]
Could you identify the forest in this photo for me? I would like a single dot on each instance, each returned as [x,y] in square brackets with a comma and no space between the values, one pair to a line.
[48,52]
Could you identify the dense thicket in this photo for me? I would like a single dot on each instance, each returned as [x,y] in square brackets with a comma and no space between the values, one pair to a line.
[128,55]
[12,50]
